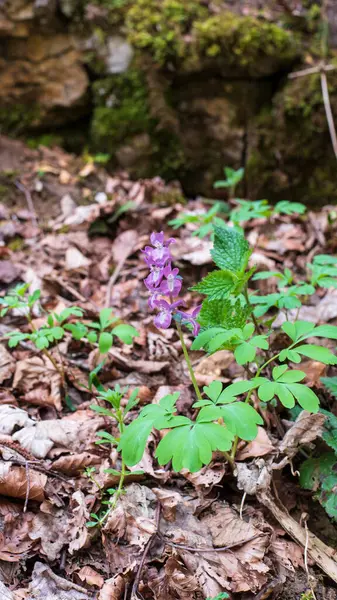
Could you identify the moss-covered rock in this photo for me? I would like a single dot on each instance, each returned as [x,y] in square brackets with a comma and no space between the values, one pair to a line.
[294,159]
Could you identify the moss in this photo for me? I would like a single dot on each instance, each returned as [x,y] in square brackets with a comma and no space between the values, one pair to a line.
[16,118]
[121,109]
[47,139]
[244,41]
[160,26]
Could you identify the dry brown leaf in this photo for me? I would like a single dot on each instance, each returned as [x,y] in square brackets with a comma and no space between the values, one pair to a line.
[12,417]
[254,477]
[314,371]
[169,501]
[8,271]
[205,479]
[174,582]
[258,447]
[45,585]
[13,482]
[79,532]
[287,553]
[306,428]
[227,528]
[7,364]
[193,250]
[37,375]
[75,259]
[89,576]
[211,367]
[113,589]
[69,434]
[134,517]
[123,245]
[74,463]
[15,543]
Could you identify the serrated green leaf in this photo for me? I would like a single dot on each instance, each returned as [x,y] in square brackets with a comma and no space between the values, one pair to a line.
[231,250]
[125,333]
[242,419]
[217,285]
[105,341]
[227,313]
[329,434]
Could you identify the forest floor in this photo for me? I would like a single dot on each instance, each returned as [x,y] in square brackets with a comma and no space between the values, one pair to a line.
[171,536]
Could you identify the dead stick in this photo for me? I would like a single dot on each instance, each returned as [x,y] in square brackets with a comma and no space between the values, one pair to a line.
[323,555]
[29,201]
[328,112]
[145,553]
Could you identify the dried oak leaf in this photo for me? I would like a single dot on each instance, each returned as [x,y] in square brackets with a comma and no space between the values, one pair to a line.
[45,585]
[79,532]
[287,553]
[13,482]
[7,364]
[15,543]
[306,428]
[123,245]
[169,500]
[173,582]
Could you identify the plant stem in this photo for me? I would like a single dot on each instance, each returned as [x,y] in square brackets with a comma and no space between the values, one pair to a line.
[116,496]
[255,321]
[44,351]
[188,362]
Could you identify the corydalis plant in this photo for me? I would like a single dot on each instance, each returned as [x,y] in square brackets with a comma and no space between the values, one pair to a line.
[164,280]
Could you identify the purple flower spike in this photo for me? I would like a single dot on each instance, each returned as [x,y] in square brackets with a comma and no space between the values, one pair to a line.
[164,318]
[191,318]
[172,285]
[153,280]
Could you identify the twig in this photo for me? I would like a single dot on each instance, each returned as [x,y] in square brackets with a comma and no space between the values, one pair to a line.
[145,553]
[29,201]
[113,280]
[323,555]
[206,549]
[27,487]
[328,112]
[304,519]
[312,70]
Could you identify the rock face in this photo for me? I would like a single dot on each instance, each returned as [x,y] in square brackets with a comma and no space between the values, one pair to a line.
[179,88]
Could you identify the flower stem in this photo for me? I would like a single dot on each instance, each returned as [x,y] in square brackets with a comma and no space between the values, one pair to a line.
[188,362]
[255,321]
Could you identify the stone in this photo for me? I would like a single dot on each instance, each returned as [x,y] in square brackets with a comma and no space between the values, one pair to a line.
[119,55]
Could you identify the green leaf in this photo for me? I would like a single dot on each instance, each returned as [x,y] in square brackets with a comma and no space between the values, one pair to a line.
[132,402]
[242,419]
[101,410]
[78,330]
[105,342]
[42,342]
[305,397]
[319,474]
[217,285]
[266,275]
[297,330]
[92,337]
[228,313]
[292,376]
[204,337]
[231,250]
[244,353]
[331,384]
[105,437]
[106,317]
[125,333]
[330,429]
[213,390]
[319,353]
[133,441]
[15,337]
[327,331]
[191,446]
[223,339]
[286,207]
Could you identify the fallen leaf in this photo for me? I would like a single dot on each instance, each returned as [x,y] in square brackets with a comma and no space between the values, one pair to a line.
[74,463]
[45,585]
[287,553]
[123,245]
[134,517]
[79,532]
[75,259]
[314,371]
[174,581]
[89,576]
[8,271]
[113,589]
[193,250]
[12,417]
[13,482]
[7,364]
[227,528]
[169,501]
[39,381]
[258,447]
[306,428]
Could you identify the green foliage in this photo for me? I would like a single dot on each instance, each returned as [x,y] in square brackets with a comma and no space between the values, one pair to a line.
[324,271]
[231,251]
[228,313]
[286,387]
[203,220]
[233,177]
[320,475]
[220,596]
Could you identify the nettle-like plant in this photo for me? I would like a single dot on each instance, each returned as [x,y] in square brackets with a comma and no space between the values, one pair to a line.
[229,318]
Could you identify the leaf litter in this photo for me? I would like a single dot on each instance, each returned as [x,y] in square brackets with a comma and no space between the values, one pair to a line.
[177,536]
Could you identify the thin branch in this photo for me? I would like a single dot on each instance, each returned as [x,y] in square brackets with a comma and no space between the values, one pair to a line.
[328,112]
[145,553]
[29,201]
[321,68]
[206,549]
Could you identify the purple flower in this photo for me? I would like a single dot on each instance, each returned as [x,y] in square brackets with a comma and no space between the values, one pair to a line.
[164,318]
[156,256]
[172,285]
[152,302]
[191,318]
[154,278]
